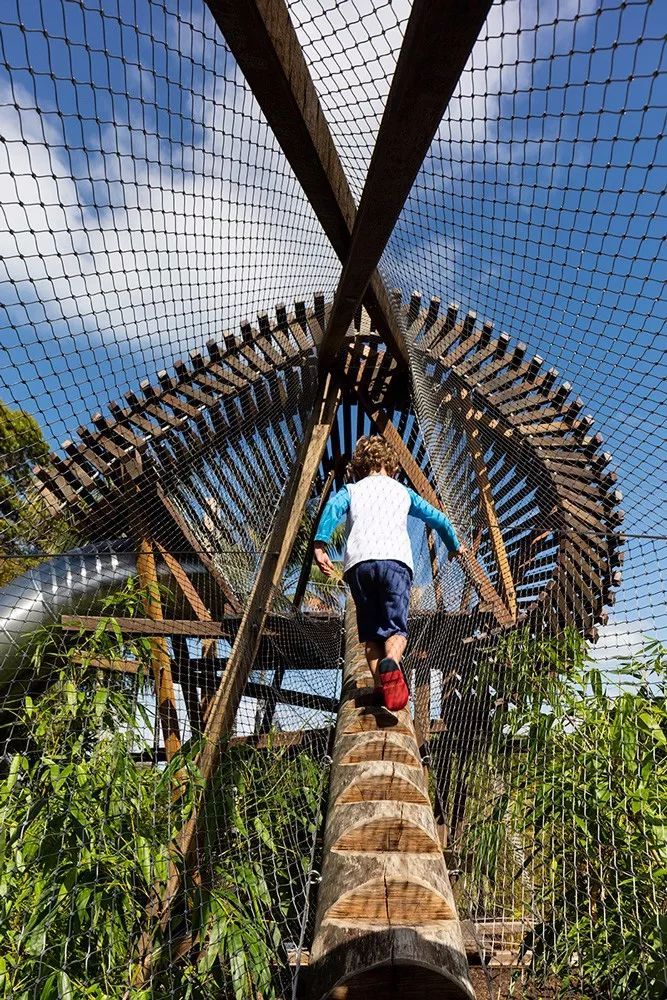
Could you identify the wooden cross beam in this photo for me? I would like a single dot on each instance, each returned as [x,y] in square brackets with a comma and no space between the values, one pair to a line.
[222,711]
[264,43]
[204,557]
[438,41]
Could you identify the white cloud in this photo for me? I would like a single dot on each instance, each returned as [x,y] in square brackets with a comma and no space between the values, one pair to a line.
[201,246]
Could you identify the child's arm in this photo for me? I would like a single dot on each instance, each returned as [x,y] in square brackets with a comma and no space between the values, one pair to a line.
[334,511]
[434,518]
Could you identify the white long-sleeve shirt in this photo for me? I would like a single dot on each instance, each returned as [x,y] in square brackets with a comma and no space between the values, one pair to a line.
[377,510]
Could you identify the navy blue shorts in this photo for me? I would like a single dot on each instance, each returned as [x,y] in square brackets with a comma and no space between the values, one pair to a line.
[381,592]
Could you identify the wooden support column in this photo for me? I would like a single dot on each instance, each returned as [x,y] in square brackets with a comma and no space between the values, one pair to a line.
[204,557]
[188,684]
[467,589]
[436,46]
[435,570]
[488,595]
[222,710]
[264,44]
[476,452]
[208,646]
[304,575]
[164,682]
[386,923]
[278,548]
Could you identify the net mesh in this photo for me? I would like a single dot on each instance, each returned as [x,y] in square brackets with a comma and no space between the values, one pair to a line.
[163,280]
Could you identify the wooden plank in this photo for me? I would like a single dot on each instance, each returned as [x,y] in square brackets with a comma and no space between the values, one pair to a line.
[425,80]
[506,583]
[277,549]
[435,569]
[154,627]
[112,664]
[185,585]
[164,683]
[299,699]
[222,710]
[188,684]
[264,44]
[203,556]
[304,575]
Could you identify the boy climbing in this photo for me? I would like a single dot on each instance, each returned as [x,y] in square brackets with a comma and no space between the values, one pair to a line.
[378,558]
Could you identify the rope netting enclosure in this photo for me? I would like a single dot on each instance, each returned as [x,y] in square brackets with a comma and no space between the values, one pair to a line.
[201,311]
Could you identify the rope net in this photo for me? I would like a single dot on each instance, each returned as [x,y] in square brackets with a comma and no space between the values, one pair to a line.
[169,672]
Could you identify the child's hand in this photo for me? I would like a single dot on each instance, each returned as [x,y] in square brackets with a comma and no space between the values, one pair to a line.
[321,557]
[451,556]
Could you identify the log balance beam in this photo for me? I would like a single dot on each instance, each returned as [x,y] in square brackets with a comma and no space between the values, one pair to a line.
[386,923]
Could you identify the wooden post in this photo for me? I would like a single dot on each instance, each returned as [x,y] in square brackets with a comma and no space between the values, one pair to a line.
[188,684]
[424,78]
[222,711]
[433,556]
[278,548]
[164,683]
[266,48]
[386,921]
[304,575]
[505,581]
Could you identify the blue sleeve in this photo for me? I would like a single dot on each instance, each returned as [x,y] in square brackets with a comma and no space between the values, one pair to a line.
[434,518]
[334,511]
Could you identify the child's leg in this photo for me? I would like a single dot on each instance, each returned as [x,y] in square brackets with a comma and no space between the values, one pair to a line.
[375,651]
[395,647]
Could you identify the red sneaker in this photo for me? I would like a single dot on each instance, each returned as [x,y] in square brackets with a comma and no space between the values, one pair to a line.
[395,689]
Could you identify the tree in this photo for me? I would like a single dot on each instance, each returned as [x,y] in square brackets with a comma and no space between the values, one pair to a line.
[25,528]
[86,833]
[573,825]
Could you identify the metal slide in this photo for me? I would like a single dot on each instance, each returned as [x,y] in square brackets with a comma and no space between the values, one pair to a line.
[67,584]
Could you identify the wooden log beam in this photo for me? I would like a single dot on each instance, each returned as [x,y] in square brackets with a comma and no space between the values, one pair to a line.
[204,557]
[385,904]
[188,684]
[304,575]
[161,661]
[222,710]
[114,664]
[278,547]
[437,44]
[474,572]
[476,452]
[285,696]
[264,43]
[435,569]
[189,591]
[154,627]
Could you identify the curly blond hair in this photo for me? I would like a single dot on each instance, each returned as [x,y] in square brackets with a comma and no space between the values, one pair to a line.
[372,454]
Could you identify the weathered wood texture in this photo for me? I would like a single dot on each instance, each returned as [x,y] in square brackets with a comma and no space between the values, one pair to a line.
[385,903]
[278,547]
[222,710]
[264,43]
[476,452]
[437,43]
[160,659]
[155,626]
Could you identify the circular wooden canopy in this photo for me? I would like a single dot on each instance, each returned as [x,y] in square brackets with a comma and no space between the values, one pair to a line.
[516,451]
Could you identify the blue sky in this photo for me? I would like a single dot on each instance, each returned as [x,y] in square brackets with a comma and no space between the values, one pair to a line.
[146,206]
